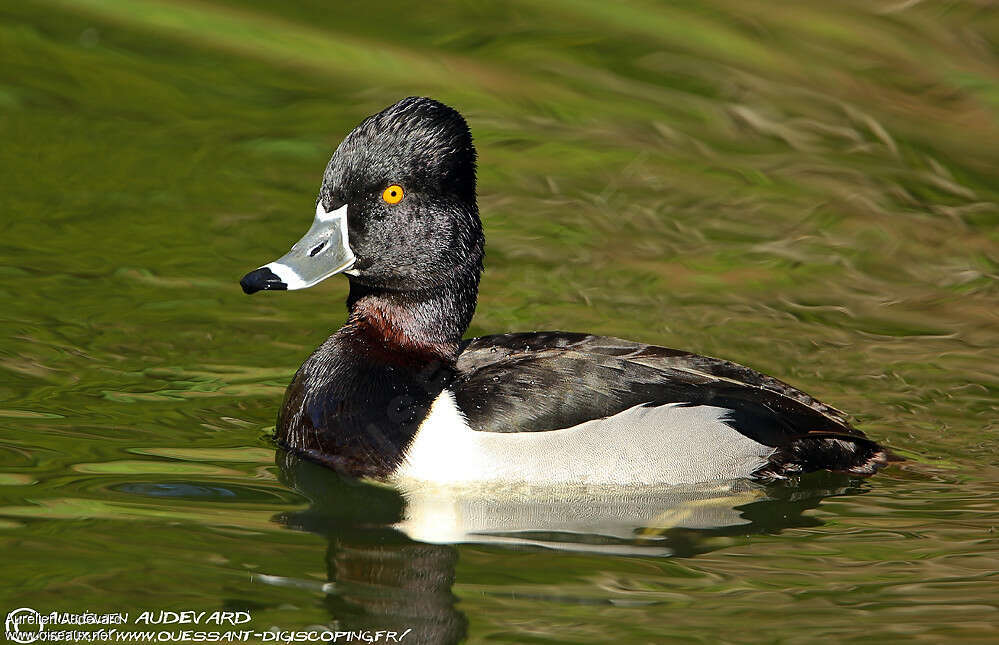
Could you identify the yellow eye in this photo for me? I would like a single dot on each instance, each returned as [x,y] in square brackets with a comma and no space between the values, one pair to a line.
[393,194]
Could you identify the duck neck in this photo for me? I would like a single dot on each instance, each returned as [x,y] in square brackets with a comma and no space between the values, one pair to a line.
[411,327]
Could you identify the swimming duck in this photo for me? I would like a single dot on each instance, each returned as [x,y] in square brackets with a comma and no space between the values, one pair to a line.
[396,394]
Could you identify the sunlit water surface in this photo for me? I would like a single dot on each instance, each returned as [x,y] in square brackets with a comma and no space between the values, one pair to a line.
[811,193]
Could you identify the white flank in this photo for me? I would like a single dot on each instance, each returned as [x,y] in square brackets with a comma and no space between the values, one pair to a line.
[667,444]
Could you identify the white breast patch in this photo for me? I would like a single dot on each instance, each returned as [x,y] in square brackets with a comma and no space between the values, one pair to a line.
[665,444]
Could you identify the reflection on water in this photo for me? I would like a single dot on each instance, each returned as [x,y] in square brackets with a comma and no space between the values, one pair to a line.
[391,560]
[613,522]
[381,579]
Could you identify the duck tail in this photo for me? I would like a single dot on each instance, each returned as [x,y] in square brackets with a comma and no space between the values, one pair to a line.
[819,451]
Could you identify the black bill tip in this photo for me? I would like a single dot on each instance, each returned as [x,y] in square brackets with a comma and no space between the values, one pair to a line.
[263,279]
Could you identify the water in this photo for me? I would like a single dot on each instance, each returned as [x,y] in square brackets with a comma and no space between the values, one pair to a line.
[811,192]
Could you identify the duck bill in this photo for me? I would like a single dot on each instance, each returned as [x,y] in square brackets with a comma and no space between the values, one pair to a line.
[322,252]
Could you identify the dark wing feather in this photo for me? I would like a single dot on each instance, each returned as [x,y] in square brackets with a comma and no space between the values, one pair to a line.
[549,380]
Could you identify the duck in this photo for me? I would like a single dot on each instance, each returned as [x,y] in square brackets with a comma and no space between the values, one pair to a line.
[398,395]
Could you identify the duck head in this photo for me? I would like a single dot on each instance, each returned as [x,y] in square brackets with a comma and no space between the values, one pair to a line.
[396,210]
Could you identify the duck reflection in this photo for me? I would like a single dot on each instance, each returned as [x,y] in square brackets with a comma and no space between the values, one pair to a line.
[380,579]
[391,558]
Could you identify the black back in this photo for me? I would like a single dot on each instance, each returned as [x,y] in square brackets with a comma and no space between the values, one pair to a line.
[550,380]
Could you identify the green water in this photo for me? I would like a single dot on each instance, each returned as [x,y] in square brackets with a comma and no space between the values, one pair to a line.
[809,189]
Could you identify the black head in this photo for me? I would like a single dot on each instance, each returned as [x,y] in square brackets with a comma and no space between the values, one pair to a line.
[407,175]
[396,209]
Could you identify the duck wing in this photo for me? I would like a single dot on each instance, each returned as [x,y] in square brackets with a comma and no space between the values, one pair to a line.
[542,381]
